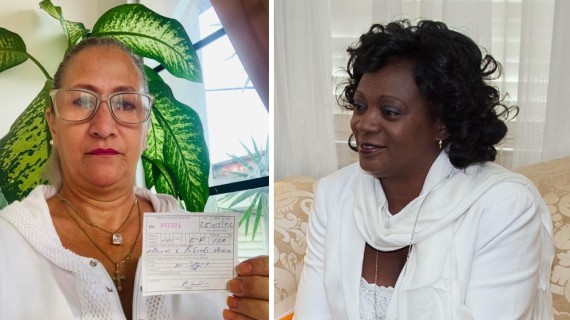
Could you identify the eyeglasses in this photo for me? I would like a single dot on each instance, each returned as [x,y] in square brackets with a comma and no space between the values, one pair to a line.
[76,105]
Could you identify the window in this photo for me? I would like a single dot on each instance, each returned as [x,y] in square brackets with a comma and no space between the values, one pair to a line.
[235,121]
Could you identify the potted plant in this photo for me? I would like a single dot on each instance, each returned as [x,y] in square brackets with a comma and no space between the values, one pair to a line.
[176,161]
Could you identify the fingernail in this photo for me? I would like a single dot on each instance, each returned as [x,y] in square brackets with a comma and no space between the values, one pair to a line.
[233,302]
[234,286]
[244,269]
[228,314]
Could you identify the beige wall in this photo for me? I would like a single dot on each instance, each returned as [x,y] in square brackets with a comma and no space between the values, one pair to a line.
[45,41]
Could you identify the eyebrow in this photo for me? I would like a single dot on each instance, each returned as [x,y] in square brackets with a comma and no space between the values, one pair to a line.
[95,89]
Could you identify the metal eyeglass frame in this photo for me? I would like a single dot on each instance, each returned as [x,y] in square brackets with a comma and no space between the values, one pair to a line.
[100,98]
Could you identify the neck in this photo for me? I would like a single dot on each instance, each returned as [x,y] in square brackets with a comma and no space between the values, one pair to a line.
[400,192]
[104,209]
[407,185]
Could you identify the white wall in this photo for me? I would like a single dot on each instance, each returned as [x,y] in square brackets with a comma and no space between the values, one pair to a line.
[45,41]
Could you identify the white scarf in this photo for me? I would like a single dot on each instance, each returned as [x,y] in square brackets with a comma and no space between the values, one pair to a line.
[430,285]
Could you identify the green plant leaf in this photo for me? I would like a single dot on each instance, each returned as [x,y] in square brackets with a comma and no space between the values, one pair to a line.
[258,198]
[3,201]
[12,50]
[241,196]
[153,158]
[153,36]
[177,139]
[244,163]
[247,215]
[24,150]
[74,31]
[262,206]
[157,174]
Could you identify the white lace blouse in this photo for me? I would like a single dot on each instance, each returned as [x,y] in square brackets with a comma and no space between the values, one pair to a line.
[373,300]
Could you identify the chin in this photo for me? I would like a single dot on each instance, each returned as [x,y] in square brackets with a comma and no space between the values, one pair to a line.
[372,167]
[104,178]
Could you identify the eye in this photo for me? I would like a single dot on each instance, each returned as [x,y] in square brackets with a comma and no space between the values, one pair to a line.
[84,102]
[357,107]
[124,103]
[390,111]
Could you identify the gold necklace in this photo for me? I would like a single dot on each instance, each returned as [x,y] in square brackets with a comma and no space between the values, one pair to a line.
[119,277]
[116,237]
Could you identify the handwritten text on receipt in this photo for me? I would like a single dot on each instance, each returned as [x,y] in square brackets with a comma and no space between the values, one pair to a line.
[187,252]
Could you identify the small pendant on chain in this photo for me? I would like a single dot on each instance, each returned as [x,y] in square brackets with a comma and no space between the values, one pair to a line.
[118,278]
[117,239]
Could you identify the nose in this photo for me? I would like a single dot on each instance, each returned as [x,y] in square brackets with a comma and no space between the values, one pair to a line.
[102,124]
[368,121]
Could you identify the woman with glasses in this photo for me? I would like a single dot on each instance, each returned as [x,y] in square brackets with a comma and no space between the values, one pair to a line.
[71,250]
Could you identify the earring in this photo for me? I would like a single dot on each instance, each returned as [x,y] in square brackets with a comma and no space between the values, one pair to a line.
[352,143]
[440,143]
[51,142]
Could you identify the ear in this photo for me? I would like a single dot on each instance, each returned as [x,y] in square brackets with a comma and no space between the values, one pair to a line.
[145,136]
[50,117]
[442,132]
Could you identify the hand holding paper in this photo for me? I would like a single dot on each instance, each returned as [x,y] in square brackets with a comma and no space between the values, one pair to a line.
[250,290]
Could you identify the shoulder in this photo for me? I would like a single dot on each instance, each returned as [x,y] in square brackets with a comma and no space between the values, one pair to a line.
[26,213]
[505,185]
[161,202]
[511,204]
[34,203]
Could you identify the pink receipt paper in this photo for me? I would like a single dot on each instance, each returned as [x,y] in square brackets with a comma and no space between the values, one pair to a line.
[186,252]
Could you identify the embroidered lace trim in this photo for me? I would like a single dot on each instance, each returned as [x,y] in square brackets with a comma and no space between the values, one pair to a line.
[370,309]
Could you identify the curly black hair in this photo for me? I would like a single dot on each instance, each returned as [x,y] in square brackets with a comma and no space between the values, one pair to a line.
[451,72]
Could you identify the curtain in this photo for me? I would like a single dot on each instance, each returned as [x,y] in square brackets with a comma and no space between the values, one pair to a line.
[556,133]
[303,125]
[529,37]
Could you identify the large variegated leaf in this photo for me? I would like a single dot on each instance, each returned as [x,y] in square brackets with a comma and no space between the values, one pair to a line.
[153,36]
[24,150]
[176,139]
[74,31]
[3,201]
[158,175]
[156,172]
[12,50]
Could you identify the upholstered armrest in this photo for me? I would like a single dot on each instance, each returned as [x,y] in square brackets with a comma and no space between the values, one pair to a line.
[553,181]
[293,201]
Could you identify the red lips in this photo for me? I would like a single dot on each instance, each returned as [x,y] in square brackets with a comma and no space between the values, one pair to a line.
[103,152]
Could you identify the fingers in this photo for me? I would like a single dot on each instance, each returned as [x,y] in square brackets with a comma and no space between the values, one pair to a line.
[255,287]
[251,291]
[244,308]
[230,315]
[257,266]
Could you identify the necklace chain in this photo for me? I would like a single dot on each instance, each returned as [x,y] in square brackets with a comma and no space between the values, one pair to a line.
[116,237]
[119,277]
[405,264]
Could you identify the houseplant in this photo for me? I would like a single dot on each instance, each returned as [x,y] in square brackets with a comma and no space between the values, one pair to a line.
[255,165]
[176,160]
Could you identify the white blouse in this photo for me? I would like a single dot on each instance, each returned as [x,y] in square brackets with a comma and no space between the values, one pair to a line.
[374,300]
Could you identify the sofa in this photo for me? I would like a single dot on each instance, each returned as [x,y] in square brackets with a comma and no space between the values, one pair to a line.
[294,197]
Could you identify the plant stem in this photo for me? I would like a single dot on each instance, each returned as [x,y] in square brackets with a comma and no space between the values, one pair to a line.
[40,66]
